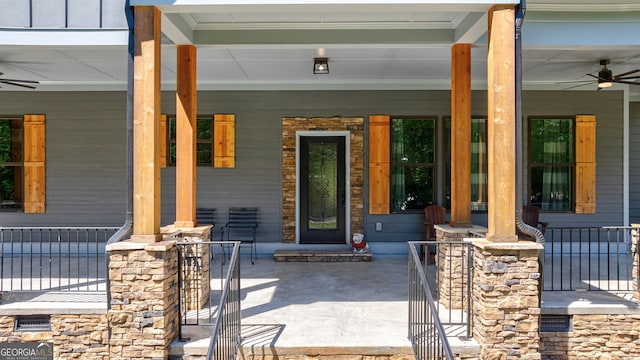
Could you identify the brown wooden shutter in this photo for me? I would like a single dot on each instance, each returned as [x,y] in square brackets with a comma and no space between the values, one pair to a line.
[34,164]
[163,140]
[224,140]
[585,164]
[379,166]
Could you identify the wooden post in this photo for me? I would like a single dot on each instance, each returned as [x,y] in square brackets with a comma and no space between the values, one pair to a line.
[146,124]
[501,125]
[461,136]
[186,125]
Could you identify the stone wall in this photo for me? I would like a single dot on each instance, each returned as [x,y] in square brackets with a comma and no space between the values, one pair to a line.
[79,336]
[610,337]
[356,167]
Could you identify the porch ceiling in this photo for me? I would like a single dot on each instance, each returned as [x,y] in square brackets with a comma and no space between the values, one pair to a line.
[370,45]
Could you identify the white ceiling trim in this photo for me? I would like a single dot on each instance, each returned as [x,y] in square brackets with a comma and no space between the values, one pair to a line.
[326,7]
[65,37]
[582,7]
[431,25]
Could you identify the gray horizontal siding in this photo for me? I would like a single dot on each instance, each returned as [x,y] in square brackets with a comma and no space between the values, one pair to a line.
[86,155]
[607,106]
[62,14]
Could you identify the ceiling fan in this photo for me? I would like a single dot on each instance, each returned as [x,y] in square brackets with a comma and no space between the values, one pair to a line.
[606,78]
[17,82]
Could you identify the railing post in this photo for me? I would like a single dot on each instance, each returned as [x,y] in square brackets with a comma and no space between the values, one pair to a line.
[452,260]
[194,260]
[635,241]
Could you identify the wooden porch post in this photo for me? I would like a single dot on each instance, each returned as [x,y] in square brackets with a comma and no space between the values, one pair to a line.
[146,98]
[186,124]
[501,125]
[461,136]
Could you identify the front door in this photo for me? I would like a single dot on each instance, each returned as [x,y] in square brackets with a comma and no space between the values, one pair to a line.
[322,190]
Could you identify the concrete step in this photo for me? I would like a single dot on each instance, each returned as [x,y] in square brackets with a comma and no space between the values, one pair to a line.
[321,256]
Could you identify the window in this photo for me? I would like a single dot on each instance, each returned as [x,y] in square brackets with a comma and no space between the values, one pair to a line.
[551,163]
[204,141]
[412,163]
[11,149]
[478,164]
[22,163]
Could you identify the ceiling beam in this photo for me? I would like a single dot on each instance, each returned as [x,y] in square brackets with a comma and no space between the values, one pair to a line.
[176,28]
[541,34]
[472,28]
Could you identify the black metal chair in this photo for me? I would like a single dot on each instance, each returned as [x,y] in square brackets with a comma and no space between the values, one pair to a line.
[205,216]
[433,215]
[242,226]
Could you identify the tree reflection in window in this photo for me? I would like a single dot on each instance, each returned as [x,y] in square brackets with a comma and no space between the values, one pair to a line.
[412,163]
[551,163]
[323,177]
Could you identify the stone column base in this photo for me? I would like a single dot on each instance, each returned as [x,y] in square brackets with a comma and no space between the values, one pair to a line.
[143,284]
[194,261]
[506,299]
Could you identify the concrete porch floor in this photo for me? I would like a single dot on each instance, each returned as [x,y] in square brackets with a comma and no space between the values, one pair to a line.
[310,308]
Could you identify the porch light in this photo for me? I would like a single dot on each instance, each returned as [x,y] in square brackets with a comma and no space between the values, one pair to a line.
[321,65]
[604,78]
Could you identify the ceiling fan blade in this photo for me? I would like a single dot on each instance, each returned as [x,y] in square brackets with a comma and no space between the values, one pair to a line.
[22,81]
[575,82]
[629,77]
[4,81]
[577,86]
[626,82]
[625,74]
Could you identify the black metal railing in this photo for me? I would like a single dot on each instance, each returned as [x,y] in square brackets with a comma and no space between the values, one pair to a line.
[226,337]
[588,258]
[64,259]
[426,332]
[200,281]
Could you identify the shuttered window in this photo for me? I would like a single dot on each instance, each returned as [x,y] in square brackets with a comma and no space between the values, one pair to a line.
[562,163]
[401,163]
[204,140]
[22,164]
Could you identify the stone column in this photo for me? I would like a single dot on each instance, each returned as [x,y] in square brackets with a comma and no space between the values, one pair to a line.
[143,312]
[506,299]
[194,264]
[452,261]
